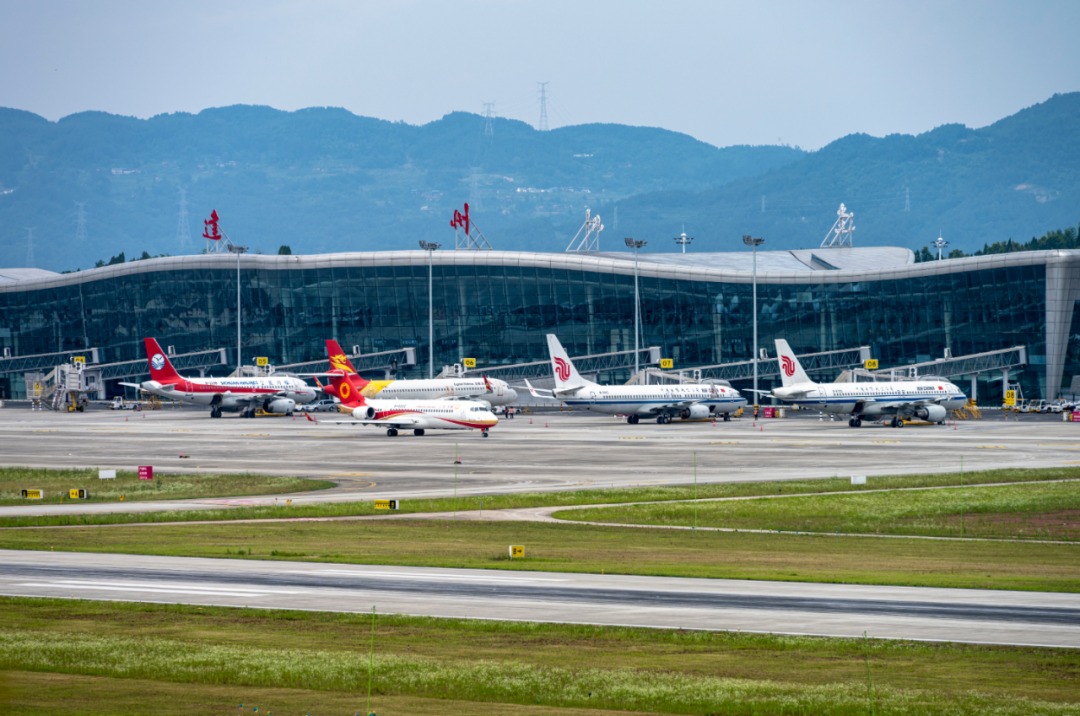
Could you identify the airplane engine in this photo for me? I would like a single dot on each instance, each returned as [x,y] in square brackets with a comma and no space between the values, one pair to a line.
[364,412]
[279,405]
[695,412]
[933,413]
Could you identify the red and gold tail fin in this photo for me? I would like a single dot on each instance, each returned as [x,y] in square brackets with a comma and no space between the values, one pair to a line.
[344,381]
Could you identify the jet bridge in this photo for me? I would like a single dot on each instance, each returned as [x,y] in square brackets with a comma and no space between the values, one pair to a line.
[823,362]
[390,362]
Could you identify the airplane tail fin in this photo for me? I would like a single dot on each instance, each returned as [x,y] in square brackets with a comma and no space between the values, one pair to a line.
[791,371]
[161,368]
[344,381]
[566,375]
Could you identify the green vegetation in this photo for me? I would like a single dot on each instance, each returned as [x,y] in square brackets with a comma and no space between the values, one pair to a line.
[57,483]
[571,547]
[1034,511]
[279,660]
[1059,239]
[557,499]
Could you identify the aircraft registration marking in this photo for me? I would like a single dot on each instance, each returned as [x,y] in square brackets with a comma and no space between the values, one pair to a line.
[882,442]
[256,435]
[990,447]
[725,442]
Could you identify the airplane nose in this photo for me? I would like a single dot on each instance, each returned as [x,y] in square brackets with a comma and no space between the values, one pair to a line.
[512,394]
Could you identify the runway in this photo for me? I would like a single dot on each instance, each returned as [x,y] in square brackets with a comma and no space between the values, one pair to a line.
[543,452]
[967,615]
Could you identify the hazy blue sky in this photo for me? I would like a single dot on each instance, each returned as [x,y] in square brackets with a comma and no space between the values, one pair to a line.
[727,73]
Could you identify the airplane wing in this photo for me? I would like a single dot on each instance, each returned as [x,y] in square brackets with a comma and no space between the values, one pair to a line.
[539,392]
[257,397]
[132,385]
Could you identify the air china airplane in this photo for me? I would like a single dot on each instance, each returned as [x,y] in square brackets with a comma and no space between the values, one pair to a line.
[663,402]
[274,394]
[928,399]
[490,391]
[415,415]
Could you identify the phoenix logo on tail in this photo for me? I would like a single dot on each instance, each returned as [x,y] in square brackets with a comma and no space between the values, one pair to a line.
[789,366]
[562,368]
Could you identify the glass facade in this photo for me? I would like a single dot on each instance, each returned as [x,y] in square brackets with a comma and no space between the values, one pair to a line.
[499,312]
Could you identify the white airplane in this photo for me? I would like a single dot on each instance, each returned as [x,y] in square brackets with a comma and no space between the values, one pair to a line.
[274,394]
[663,402]
[927,399]
[486,390]
[415,415]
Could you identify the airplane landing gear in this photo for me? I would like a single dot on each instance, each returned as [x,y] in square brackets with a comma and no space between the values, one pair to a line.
[391,433]
[418,432]
[897,422]
[663,420]
[632,419]
[855,423]
[484,433]
[215,412]
[727,417]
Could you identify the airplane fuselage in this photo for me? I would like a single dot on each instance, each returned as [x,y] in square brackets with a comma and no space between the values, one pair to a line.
[436,388]
[873,399]
[233,394]
[648,400]
[425,414]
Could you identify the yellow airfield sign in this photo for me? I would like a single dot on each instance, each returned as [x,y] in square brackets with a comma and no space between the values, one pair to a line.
[870,364]
[666,363]
[262,361]
[386,504]
[469,362]
[1010,398]
[517,551]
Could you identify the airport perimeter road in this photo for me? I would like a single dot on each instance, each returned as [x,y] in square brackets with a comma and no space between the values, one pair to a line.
[552,452]
[970,615]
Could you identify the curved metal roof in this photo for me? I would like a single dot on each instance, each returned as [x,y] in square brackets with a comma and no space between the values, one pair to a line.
[696,270]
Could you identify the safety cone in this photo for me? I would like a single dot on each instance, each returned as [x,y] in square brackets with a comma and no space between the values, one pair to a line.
[545,425]
[762,428]
[530,421]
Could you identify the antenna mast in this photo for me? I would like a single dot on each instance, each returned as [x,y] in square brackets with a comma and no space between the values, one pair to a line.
[543,126]
[591,241]
[80,227]
[183,229]
[840,233]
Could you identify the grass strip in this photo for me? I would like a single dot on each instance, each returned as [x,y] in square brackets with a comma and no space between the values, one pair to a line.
[548,665]
[570,547]
[1032,511]
[57,482]
[555,499]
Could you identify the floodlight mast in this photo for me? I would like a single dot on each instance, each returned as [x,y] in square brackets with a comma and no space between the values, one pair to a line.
[635,245]
[753,244]
[431,247]
[233,248]
[939,245]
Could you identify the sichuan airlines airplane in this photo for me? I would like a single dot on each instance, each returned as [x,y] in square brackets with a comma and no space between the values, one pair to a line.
[927,399]
[244,395]
[663,402]
[415,415]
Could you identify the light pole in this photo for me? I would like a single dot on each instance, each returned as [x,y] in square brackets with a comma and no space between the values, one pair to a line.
[683,240]
[237,250]
[754,243]
[430,247]
[635,245]
[940,244]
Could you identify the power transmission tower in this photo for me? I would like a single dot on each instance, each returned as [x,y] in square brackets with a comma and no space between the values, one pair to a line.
[80,227]
[907,199]
[543,106]
[183,229]
[489,112]
[29,246]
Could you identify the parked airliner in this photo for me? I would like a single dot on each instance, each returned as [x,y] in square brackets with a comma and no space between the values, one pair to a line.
[927,399]
[663,402]
[273,394]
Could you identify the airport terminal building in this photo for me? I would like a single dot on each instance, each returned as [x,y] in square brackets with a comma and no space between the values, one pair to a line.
[497,306]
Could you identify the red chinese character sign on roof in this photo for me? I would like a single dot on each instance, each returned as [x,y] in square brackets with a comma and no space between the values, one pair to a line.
[461,220]
[211,231]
